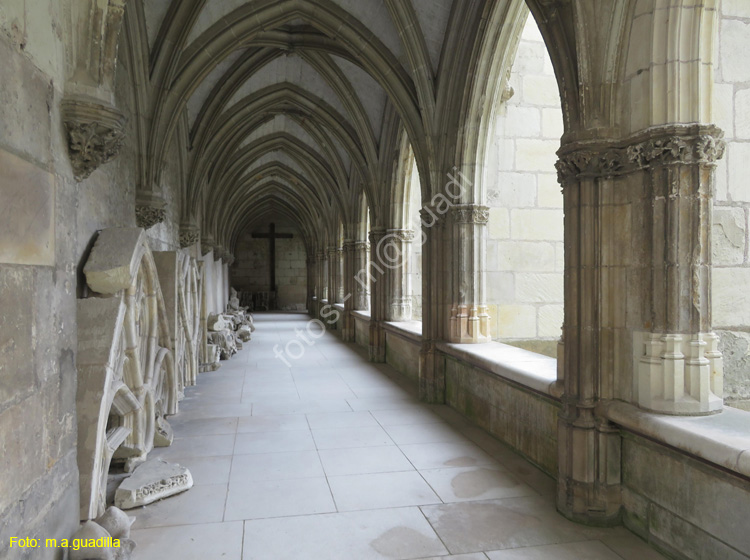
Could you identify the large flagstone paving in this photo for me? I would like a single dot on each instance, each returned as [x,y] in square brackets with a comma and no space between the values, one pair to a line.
[332,458]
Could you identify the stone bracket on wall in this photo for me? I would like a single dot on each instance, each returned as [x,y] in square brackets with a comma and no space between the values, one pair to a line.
[150,209]
[95,133]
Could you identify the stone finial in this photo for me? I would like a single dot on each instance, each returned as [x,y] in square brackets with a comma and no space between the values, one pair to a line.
[95,133]
[150,209]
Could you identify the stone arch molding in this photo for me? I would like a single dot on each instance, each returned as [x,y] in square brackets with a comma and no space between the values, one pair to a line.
[127,379]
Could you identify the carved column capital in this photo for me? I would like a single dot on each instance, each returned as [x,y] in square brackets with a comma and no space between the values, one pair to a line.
[150,209]
[95,132]
[667,145]
[404,235]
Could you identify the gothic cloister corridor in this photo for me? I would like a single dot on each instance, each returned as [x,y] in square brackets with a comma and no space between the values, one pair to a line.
[332,458]
[350,279]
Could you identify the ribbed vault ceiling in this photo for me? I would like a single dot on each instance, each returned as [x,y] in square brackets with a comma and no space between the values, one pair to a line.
[289,106]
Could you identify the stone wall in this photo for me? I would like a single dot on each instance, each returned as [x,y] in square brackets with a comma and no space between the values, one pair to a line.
[525,420]
[682,505]
[251,272]
[39,250]
[48,226]
[731,256]
[524,247]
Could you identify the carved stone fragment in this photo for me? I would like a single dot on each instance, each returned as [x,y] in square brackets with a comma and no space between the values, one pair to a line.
[153,480]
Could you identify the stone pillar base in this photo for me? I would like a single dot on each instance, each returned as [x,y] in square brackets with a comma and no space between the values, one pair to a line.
[470,324]
[431,375]
[679,373]
[589,477]
[377,343]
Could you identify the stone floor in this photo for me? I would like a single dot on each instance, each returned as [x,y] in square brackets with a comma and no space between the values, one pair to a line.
[333,459]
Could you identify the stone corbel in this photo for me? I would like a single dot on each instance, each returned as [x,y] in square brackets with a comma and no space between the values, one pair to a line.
[207,245]
[190,234]
[95,132]
[150,209]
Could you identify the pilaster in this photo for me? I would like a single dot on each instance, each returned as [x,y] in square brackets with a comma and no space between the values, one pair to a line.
[470,321]
[395,253]
[360,250]
[637,298]
[348,332]
[378,296]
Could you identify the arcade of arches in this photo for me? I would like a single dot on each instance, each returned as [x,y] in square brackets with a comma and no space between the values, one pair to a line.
[536,212]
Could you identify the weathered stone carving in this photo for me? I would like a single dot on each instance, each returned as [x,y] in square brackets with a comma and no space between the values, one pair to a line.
[92,530]
[152,481]
[126,375]
[95,134]
[189,235]
[471,214]
[690,144]
[181,282]
[207,245]
[116,522]
[150,209]
[212,358]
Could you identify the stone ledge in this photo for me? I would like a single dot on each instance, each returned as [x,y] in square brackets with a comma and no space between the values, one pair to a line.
[410,330]
[722,439]
[529,369]
[339,306]
[362,315]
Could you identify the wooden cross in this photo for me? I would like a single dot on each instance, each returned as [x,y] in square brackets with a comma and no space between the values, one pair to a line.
[272,236]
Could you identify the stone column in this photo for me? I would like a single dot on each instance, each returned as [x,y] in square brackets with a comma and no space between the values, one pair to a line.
[341,291]
[361,294]
[637,298]
[311,285]
[436,270]
[395,252]
[322,283]
[348,333]
[378,298]
[333,281]
[332,274]
[470,322]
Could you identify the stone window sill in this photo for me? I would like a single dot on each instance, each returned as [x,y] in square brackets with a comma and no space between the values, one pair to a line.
[410,330]
[532,370]
[363,315]
[722,439]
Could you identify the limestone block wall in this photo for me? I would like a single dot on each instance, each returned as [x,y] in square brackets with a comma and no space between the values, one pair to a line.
[682,510]
[525,238]
[250,271]
[291,273]
[38,256]
[731,248]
